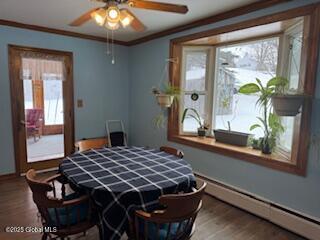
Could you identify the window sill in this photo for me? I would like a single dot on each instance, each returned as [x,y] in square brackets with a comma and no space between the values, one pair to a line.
[274,161]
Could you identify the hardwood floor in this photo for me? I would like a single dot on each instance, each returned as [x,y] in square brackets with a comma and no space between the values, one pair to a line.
[217,220]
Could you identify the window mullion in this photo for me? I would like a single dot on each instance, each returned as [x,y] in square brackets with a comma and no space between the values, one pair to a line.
[210,83]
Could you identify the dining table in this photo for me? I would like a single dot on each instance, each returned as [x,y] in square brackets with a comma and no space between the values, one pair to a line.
[123,179]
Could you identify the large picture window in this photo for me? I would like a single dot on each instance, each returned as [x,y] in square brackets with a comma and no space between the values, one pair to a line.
[217,73]
[212,67]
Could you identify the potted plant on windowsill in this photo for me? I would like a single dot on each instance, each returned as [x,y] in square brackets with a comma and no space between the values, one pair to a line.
[228,136]
[269,122]
[203,126]
[285,101]
[167,95]
[231,137]
[255,143]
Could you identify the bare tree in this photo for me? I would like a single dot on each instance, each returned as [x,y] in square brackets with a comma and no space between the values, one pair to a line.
[265,53]
[196,60]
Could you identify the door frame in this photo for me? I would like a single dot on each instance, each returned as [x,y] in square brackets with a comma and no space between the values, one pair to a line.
[18,111]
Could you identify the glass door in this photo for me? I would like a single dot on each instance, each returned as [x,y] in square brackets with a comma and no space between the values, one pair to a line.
[43,103]
[42,107]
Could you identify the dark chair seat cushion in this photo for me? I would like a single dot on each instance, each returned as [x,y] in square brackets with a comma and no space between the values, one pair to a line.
[163,230]
[73,212]
[117,139]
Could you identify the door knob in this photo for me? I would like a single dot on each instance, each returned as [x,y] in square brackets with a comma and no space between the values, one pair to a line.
[22,122]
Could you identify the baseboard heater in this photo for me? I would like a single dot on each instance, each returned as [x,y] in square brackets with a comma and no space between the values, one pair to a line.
[303,225]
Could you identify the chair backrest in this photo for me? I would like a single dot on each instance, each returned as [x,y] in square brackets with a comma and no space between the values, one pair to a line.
[40,190]
[174,212]
[87,144]
[34,115]
[49,207]
[172,151]
[116,137]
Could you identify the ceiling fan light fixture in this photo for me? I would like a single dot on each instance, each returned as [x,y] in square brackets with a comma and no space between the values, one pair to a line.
[99,16]
[113,14]
[112,25]
[125,18]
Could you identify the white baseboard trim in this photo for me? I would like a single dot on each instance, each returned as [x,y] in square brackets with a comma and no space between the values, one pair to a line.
[280,215]
[42,171]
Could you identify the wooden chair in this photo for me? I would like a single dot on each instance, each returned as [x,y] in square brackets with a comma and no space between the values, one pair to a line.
[172,151]
[175,221]
[71,214]
[87,144]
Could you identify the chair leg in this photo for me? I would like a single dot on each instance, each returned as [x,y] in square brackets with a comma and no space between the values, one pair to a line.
[63,191]
[44,236]
[100,231]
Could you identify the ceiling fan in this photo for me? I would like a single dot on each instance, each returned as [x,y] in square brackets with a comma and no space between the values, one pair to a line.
[111,16]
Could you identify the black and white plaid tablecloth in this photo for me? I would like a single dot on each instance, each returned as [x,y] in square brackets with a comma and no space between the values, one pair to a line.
[123,179]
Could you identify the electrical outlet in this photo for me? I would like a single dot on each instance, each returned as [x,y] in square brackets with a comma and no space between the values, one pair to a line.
[79,103]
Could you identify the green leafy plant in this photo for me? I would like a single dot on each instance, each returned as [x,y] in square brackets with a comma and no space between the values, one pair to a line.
[280,84]
[159,121]
[281,87]
[168,89]
[270,123]
[195,115]
[225,104]
[255,143]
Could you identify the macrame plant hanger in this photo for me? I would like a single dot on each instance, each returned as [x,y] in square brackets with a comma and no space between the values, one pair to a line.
[161,118]
[165,72]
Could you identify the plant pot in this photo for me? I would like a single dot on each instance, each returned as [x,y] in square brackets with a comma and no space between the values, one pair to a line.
[165,100]
[287,105]
[202,132]
[231,137]
[265,147]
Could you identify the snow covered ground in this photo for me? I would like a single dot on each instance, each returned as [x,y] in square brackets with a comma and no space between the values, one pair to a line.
[246,110]
[244,76]
[245,116]
[53,111]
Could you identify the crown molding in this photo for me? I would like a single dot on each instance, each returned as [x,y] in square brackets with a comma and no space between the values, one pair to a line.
[211,19]
[57,31]
[201,22]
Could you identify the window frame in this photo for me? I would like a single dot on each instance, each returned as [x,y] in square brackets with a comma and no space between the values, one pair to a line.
[240,42]
[208,82]
[211,76]
[298,162]
[284,70]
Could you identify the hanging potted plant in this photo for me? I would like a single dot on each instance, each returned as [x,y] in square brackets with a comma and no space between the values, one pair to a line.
[285,101]
[167,95]
[269,122]
[203,126]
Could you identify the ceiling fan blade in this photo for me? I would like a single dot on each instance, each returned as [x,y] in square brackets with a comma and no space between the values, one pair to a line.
[136,24]
[83,18]
[166,7]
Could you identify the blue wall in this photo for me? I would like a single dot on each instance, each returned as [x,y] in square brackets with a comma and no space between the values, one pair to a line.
[146,64]
[102,86]
[110,91]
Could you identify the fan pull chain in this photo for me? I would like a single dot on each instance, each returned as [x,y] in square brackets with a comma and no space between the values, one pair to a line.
[112,48]
[108,44]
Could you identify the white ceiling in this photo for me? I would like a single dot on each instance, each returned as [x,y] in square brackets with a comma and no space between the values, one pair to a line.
[59,13]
